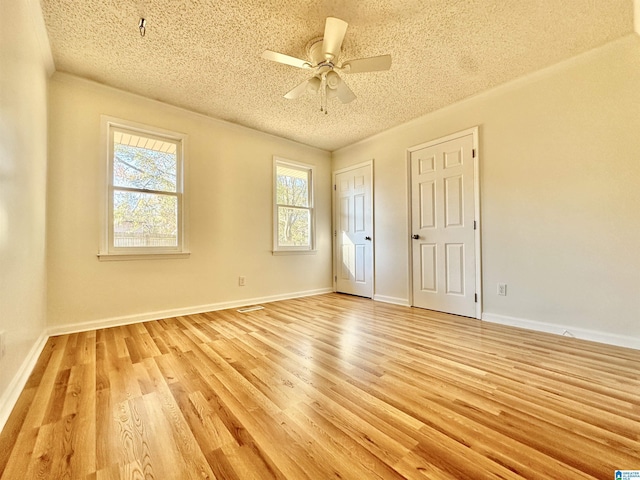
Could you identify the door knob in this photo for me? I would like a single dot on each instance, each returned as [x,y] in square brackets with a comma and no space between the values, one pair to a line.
[367,238]
[415,237]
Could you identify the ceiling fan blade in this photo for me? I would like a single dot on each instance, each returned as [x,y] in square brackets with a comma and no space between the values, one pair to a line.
[345,95]
[297,91]
[334,30]
[371,64]
[286,59]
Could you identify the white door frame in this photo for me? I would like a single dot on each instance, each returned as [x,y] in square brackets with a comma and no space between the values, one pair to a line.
[476,189]
[334,224]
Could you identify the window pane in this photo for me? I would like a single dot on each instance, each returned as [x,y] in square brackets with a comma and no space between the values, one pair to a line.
[145,168]
[294,227]
[292,186]
[144,220]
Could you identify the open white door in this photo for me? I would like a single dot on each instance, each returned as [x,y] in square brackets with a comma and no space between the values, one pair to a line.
[353,230]
[444,193]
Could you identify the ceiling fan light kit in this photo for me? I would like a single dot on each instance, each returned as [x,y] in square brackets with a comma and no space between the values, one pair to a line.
[333,79]
[313,84]
[323,56]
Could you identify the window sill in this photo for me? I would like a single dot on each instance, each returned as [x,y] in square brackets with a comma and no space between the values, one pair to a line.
[294,252]
[114,257]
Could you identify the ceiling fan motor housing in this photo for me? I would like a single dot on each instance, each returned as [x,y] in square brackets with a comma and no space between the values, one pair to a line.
[315,51]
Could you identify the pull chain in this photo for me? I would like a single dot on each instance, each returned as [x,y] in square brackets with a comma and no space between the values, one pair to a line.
[323,95]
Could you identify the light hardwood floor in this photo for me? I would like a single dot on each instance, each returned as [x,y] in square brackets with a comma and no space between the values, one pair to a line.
[325,387]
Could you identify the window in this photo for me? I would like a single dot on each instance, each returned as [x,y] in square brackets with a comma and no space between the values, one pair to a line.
[293,207]
[145,197]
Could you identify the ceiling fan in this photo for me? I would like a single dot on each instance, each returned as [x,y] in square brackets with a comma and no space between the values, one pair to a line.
[323,56]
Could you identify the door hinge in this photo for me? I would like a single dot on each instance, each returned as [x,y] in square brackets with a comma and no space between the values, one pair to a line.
[335,278]
[475,297]
[475,225]
[474,152]
[335,233]
[334,187]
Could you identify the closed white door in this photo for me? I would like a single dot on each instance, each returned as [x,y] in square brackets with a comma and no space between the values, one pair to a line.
[353,231]
[443,222]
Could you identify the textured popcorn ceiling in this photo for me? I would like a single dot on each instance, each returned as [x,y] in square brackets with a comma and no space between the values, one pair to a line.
[204,55]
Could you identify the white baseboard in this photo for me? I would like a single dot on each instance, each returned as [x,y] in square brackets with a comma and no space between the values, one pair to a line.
[584,334]
[12,393]
[158,315]
[396,301]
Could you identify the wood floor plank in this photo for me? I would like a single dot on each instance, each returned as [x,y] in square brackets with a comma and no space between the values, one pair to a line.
[329,386]
[346,449]
[14,426]
[22,453]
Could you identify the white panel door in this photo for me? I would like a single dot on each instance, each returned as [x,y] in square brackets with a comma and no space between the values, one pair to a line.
[353,230]
[442,218]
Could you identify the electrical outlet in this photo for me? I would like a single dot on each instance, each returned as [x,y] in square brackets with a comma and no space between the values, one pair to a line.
[502,289]
[242,281]
[2,345]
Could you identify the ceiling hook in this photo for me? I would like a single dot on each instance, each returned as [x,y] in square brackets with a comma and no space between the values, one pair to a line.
[142,25]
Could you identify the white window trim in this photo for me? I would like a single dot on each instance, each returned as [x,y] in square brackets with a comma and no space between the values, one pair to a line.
[107,252]
[294,250]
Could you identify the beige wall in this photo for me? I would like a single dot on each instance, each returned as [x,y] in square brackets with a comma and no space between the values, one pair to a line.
[23,168]
[560,195]
[229,185]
